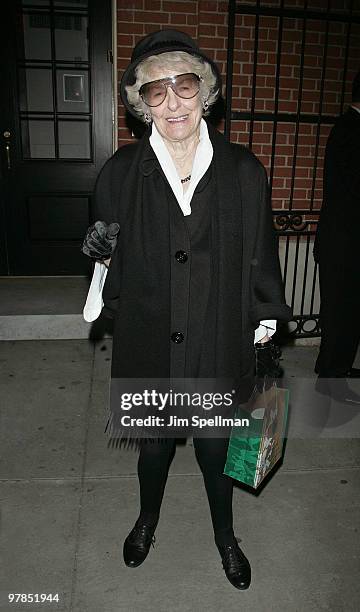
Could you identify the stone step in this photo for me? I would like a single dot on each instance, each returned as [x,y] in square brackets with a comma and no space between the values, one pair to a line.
[47,307]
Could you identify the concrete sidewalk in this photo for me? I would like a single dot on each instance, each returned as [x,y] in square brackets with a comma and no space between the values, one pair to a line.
[68,502]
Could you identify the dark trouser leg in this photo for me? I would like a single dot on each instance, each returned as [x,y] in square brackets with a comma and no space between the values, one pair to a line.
[211,456]
[339,316]
[153,467]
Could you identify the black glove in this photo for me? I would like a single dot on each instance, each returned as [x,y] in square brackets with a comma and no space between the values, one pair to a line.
[100,240]
[267,357]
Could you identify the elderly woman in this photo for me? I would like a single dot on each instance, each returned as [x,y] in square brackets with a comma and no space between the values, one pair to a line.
[194,278]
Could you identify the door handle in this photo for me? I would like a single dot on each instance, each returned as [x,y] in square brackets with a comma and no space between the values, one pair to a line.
[7,135]
[7,149]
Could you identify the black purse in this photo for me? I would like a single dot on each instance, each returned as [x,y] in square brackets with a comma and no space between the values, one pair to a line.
[267,357]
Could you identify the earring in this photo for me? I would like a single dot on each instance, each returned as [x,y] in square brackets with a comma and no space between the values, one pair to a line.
[205,105]
[147,118]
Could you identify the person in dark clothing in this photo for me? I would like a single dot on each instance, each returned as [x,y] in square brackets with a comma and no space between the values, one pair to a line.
[194,279]
[336,250]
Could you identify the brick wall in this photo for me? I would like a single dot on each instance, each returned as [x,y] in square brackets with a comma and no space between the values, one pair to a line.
[206,21]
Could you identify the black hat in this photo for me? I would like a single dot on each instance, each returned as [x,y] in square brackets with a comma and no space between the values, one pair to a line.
[156,43]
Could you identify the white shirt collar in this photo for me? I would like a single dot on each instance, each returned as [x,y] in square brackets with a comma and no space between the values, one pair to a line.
[355,108]
[202,160]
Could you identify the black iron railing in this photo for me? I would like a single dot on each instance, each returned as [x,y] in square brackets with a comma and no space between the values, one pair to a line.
[295,227]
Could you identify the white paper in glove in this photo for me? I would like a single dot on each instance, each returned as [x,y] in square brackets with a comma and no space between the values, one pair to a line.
[94,302]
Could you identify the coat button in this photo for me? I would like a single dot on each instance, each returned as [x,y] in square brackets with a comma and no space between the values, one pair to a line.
[177,337]
[181,256]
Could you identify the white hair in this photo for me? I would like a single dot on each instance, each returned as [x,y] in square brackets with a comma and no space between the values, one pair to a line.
[168,61]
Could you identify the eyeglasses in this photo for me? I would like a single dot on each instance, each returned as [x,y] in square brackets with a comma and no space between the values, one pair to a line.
[184,85]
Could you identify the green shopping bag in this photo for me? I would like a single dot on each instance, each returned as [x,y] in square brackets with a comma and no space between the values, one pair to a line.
[254,450]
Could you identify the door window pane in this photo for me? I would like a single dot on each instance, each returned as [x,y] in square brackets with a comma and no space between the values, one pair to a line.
[37,139]
[35,90]
[36,2]
[74,139]
[72,90]
[71,39]
[37,39]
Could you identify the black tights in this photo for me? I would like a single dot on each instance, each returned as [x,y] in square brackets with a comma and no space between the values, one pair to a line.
[153,466]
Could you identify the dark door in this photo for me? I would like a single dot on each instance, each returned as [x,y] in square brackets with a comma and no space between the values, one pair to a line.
[56,130]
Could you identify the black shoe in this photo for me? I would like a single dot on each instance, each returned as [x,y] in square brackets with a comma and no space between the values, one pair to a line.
[337,389]
[353,373]
[137,544]
[237,567]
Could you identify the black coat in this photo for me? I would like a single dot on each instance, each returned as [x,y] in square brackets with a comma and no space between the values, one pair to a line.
[336,248]
[246,284]
[340,214]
